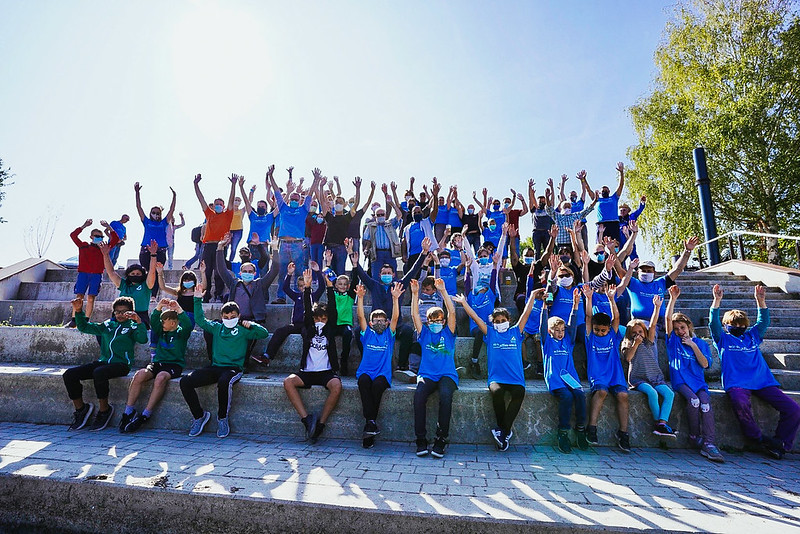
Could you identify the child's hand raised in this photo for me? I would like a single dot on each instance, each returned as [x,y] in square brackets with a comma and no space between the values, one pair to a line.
[760,293]
[717,291]
[414,283]
[439,283]
[308,277]
[657,300]
[459,299]
[538,293]
[361,291]
[290,268]
[576,295]
[588,292]
[397,290]
[77,304]
[674,292]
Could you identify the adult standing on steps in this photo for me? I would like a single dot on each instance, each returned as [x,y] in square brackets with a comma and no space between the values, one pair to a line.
[155,229]
[608,205]
[122,233]
[218,221]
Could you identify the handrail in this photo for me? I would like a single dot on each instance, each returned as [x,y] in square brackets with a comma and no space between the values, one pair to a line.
[734,233]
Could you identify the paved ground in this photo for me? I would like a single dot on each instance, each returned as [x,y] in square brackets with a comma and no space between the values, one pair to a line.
[649,488]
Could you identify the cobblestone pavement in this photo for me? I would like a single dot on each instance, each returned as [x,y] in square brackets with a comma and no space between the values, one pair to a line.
[647,489]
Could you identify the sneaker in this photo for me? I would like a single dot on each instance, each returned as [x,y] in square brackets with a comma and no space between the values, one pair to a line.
[461,371]
[310,422]
[422,447]
[526,365]
[318,430]
[580,435]
[70,323]
[371,428]
[564,444]
[102,419]
[664,430]
[773,447]
[539,370]
[497,434]
[261,359]
[711,452]
[504,441]
[405,375]
[278,301]
[199,424]
[623,441]
[439,445]
[510,435]
[125,421]
[81,417]
[591,435]
[136,423]
[368,442]
[475,370]
[223,428]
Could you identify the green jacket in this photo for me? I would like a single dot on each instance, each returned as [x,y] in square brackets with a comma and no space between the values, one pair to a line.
[171,346]
[117,340]
[230,344]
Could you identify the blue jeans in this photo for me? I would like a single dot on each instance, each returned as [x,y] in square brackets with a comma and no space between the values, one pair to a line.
[566,398]
[291,251]
[382,257]
[659,413]
[317,253]
[198,252]
[339,261]
[113,254]
[236,236]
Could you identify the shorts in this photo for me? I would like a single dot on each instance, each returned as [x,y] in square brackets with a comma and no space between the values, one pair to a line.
[173,369]
[90,281]
[317,378]
[615,390]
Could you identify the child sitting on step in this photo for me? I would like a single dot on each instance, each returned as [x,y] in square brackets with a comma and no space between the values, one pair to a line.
[688,357]
[745,373]
[640,351]
[118,336]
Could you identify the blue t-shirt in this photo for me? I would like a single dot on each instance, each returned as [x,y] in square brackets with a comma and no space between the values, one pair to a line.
[603,360]
[532,326]
[455,257]
[154,230]
[261,225]
[577,207]
[438,354]
[415,236]
[449,275]
[493,237]
[743,365]
[292,220]
[557,357]
[562,306]
[642,297]
[454,220]
[504,356]
[483,304]
[377,354]
[498,216]
[119,228]
[443,215]
[683,365]
[607,209]
[600,303]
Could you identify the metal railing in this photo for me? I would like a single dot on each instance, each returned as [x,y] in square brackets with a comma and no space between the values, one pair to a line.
[736,245]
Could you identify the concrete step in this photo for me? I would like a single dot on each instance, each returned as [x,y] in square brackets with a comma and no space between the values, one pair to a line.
[790,361]
[788,379]
[737,293]
[260,406]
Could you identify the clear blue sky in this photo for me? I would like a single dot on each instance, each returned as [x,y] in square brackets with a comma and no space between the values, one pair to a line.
[97,95]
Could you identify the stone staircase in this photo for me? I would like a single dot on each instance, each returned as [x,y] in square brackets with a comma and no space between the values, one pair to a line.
[34,351]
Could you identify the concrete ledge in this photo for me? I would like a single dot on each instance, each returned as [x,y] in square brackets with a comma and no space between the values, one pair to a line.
[30,270]
[37,395]
[771,275]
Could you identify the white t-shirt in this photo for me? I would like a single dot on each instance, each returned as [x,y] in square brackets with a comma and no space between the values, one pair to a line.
[318,359]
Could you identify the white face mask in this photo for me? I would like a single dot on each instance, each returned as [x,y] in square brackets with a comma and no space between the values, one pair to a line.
[566,211]
[230,323]
[320,325]
[565,281]
[444,262]
[646,277]
[502,327]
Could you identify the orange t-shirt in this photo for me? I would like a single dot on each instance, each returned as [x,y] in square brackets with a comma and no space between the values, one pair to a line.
[217,225]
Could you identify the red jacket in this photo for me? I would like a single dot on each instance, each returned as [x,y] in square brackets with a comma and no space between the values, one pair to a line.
[90,259]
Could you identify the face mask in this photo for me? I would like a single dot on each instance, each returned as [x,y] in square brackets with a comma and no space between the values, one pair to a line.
[506,205]
[261,211]
[387,278]
[737,331]
[230,323]
[573,198]
[379,327]
[484,260]
[601,257]
[408,198]
[471,211]
[528,260]
[312,209]
[97,240]
[188,284]
[565,259]
[492,227]
[417,217]
[248,277]
[566,211]
[381,220]
[135,280]
[541,205]
[566,281]
[436,327]
[350,205]
[319,325]
[605,194]
[155,216]
[339,208]
[294,204]
[496,207]
[502,327]
[444,262]
[320,218]
[646,277]
[217,208]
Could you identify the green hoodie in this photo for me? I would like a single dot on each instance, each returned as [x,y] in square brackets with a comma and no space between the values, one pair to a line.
[117,340]
[171,346]
[230,344]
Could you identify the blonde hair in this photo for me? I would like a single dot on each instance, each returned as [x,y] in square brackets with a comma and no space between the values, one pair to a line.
[736,316]
[434,313]
[553,322]
[627,342]
[679,317]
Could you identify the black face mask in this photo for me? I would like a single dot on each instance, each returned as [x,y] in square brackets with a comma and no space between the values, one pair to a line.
[565,259]
[573,199]
[261,211]
[541,205]
[136,280]
[244,259]
[737,331]
[605,194]
[417,217]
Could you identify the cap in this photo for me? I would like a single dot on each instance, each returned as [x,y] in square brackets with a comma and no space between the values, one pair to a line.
[647,264]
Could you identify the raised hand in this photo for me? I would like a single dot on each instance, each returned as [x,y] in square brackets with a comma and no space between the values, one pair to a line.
[554,231]
[635,264]
[587,292]
[289,170]
[241,181]
[760,293]
[512,231]
[564,178]
[576,295]
[459,299]
[159,267]
[581,175]
[254,239]
[643,200]
[317,173]
[308,277]
[620,167]
[538,293]
[137,187]
[691,243]
[197,178]
[674,292]
[393,185]
[361,291]
[611,291]
[717,292]
[77,304]
[497,258]
[314,266]
[87,223]
[348,245]
[290,268]
[384,188]
[234,178]
[414,283]
[657,300]
[103,248]
[357,181]
[153,246]
[550,184]
[426,244]
[270,170]
[439,283]
[328,254]
[610,261]
[226,240]
[202,265]
[397,290]
[554,261]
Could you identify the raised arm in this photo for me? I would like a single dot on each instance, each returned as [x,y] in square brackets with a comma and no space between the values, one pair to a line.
[652,330]
[162,282]
[633,228]
[137,188]
[234,180]
[434,201]
[171,212]
[610,291]
[461,299]
[414,284]
[397,292]
[762,321]
[588,294]
[621,180]
[572,327]
[523,318]
[448,304]
[561,196]
[200,197]
[112,274]
[248,203]
[674,293]
[680,265]
[627,278]
[361,291]
[152,248]
[714,323]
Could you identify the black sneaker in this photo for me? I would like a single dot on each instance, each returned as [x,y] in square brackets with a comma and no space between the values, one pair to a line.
[70,323]
[623,441]
[81,417]
[539,370]
[136,423]
[318,430]
[439,445]
[580,435]
[475,370]
[422,447]
[526,365]
[664,430]
[773,447]
[497,434]
[371,429]
[310,422]
[102,419]
[278,301]
[564,444]
[504,438]
[261,359]
[591,435]
[368,442]
[125,421]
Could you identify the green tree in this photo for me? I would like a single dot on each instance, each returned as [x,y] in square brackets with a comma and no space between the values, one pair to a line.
[5,177]
[727,78]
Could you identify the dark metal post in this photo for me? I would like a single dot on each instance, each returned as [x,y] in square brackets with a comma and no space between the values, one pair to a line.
[741,246]
[797,251]
[706,207]
[731,251]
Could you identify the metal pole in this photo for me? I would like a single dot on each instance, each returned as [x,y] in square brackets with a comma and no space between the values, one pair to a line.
[797,251]
[731,251]
[706,207]
[741,246]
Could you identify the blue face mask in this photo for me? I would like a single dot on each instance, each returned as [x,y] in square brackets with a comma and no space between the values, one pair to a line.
[188,284]
[294,204]
[601,257]
[97,240]
[248,277]
[484,260]
[387,278]
[436,327]
[492,227]
[320,219]
[217,208]
[528,260]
